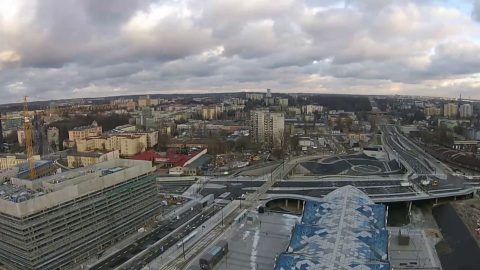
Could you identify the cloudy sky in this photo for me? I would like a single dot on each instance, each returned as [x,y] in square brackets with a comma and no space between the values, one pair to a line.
[85,48]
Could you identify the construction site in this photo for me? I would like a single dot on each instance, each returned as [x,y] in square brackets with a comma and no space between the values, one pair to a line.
[58,221]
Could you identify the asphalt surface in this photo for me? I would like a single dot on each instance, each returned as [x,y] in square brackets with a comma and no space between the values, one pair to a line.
[171,240]
[161,230]
[458,250]
[309,188]
[404,150]
[417,160]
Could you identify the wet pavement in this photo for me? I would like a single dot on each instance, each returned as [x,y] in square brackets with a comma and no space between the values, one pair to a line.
[458,250]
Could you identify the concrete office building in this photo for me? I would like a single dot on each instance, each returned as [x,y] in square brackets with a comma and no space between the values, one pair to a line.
[57,222]
[267,127]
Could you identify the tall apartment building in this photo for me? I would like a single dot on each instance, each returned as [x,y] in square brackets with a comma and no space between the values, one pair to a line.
[146,101]
[450,110]
[432,111]
[212,112]
[466,110]
[59,221]
[267,127]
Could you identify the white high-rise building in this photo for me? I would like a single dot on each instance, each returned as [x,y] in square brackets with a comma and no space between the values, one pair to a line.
[267,127]
[466,110]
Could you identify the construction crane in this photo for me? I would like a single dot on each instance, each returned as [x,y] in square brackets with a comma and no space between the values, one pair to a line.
[27,127]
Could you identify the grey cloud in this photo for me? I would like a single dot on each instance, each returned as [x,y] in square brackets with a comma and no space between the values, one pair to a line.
[85,48]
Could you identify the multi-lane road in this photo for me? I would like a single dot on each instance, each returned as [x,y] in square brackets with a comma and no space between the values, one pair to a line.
[423,167]
[143,258]
[191,218]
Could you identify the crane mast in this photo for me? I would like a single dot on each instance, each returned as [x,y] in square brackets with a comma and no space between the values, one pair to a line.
[28,140]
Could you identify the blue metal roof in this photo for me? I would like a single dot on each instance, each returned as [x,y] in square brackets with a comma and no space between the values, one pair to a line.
[346,231]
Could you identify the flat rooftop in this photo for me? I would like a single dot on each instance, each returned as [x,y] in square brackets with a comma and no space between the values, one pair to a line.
[419,253]
[255,244]
[20,197]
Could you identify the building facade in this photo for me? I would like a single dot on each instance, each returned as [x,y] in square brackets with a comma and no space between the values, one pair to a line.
[53,138]
[83,159]
[84,132]
[59,221]
[466,110]
[212,112]
[450,110]
[432,111]
[127,143]
[267,128]
[11,160]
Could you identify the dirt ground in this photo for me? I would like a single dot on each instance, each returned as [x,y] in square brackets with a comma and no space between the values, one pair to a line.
[469,212]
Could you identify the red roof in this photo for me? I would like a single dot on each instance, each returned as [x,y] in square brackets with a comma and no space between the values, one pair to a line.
[173,157]
[148,155]
[177,159]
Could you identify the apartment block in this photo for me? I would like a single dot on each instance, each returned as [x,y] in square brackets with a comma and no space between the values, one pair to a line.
[83,159]
[432,111]
[212,112]
[466,110]
[450,110]
[84,132]
[12,160]
[127,143]
[267,127]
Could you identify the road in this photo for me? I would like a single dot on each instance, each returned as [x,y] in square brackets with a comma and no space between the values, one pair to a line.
[421,165]
[159,248]
[403,151]
[160,231]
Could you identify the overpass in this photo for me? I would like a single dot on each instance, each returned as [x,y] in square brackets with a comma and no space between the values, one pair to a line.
[380,198]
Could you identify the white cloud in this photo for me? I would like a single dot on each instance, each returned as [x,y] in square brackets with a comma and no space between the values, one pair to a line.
[66,48]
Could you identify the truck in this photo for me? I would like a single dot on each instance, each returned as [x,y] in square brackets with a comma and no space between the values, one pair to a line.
[214,255]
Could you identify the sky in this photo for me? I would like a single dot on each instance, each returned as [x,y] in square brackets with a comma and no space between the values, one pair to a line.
[52,49]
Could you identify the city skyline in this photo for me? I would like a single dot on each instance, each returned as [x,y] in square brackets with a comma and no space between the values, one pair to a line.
[76,49]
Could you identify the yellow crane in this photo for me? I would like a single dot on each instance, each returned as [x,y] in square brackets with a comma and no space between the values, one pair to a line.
[27,127]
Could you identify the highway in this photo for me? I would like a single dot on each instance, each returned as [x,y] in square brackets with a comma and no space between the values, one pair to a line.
[422,166]
[403,151]
[160,231]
